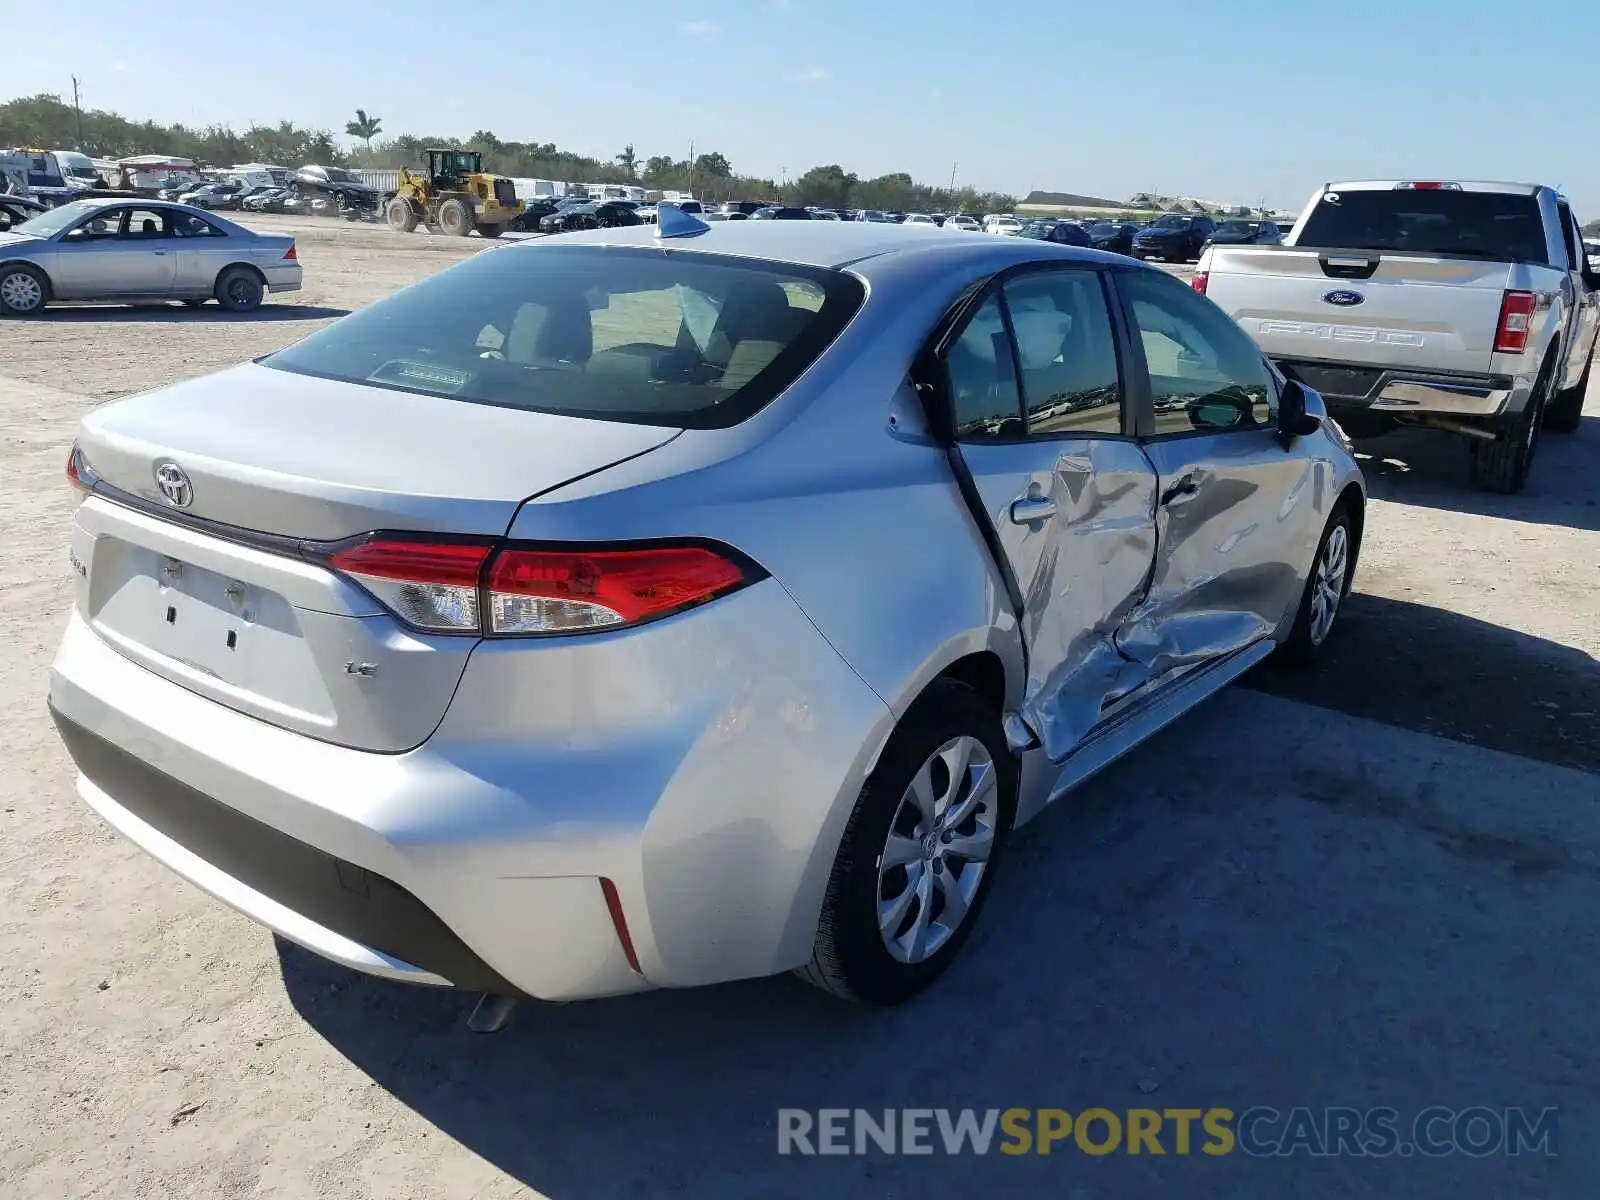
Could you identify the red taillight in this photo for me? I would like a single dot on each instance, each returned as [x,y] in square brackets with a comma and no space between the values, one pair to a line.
[1198,283]
[442,586]
[561,591]
[289,255]
[1516,319]
[78,473]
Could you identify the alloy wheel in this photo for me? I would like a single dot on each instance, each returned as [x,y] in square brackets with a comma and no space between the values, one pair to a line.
[1327,588]
[937,850]
[21,292]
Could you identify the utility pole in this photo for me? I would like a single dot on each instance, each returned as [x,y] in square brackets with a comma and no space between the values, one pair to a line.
[77,108]
[953,167]
[691,168]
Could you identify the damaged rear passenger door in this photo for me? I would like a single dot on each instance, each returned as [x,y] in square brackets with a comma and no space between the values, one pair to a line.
[1041,424]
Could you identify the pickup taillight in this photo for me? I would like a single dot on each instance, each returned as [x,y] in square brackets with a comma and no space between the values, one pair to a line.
[1200,280]
[1516,320]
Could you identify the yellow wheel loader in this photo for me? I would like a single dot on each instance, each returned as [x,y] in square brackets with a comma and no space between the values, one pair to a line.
[455,196]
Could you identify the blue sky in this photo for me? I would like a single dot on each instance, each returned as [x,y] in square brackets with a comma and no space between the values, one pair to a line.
[1237,100]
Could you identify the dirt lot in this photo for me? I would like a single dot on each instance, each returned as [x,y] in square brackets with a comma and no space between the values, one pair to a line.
[1371,885]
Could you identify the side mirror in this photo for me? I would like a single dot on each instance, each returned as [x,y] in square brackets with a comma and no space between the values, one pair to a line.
[1293,419]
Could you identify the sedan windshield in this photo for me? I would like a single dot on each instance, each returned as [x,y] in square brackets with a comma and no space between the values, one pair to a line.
[645,336]
[48,224]
[1237,227]
[1171,221]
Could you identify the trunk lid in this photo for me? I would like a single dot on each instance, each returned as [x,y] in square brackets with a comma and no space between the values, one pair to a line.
[222,597]
[302,457]
[1362,306]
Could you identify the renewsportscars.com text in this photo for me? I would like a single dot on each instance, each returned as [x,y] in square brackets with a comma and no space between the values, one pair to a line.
[1258,1132]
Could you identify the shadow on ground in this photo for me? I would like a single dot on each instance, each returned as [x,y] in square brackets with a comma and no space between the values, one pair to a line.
[1436,671]
[1430,469]
[179,314]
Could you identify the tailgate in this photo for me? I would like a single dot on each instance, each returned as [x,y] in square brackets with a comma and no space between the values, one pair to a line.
[1382,309]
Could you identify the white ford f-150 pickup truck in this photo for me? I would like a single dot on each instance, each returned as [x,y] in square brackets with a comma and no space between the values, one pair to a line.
[1468,307]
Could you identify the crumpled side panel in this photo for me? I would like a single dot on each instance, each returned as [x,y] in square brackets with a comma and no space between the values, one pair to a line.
[1087,583]
[1228,561]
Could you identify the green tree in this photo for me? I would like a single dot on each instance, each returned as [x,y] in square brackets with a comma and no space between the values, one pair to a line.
[364,127]
[714,165]
[629,161]
[828,187]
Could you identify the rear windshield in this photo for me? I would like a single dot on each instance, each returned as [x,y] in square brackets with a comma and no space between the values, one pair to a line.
[1492,225]
[641,335]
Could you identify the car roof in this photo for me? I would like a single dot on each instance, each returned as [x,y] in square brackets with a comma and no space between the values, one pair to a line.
[1466,185]
[829,244]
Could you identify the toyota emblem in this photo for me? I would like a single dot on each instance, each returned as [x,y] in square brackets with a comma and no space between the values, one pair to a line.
[173,483]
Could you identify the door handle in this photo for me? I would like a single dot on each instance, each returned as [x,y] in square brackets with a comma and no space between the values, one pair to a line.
[159,252]
[1028,509]
[1187,486]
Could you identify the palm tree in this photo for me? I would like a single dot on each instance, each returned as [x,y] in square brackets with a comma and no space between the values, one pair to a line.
[364,127]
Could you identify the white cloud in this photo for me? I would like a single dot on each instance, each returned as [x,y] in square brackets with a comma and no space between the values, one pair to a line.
[813,75]
[701,28]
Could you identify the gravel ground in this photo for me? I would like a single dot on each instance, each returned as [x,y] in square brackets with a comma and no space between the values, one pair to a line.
[1370,885]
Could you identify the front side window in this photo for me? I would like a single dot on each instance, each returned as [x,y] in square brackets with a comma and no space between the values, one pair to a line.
[638,335]
[1205,374]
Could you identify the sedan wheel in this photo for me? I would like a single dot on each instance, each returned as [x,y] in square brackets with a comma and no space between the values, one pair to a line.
[937,850]
[1325,590]
[239,289]
[919,853]
[1327,583]
[22,291]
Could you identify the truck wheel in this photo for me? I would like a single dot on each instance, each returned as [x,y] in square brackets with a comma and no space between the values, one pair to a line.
[455,218]
[490,231]
[919,852]
[1565,413]
[1502,465]
[402,217]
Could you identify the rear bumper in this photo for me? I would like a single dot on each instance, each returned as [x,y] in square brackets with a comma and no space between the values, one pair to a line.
[283,279]
[704,766]
[1400,392]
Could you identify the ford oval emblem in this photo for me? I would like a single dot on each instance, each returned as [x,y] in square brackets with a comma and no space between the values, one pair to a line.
[1343,299]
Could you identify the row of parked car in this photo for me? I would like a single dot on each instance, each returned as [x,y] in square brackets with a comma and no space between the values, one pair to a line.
[1175,237]
[312,190]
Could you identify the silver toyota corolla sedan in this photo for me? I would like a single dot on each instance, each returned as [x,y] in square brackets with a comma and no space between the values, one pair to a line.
[658,606]
[140,250]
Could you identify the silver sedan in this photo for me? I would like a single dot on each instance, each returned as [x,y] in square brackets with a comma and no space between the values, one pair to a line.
[131,251]
[659,606]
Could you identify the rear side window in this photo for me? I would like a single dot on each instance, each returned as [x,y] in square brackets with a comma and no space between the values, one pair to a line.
[1492,225]
[641,335]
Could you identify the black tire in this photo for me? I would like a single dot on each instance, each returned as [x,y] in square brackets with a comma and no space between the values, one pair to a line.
[1305,642]
[402,217]
[18,307]
[850,958]
[1565,413]
[1503,464]
[490,231]
[455,218]
[239,289]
